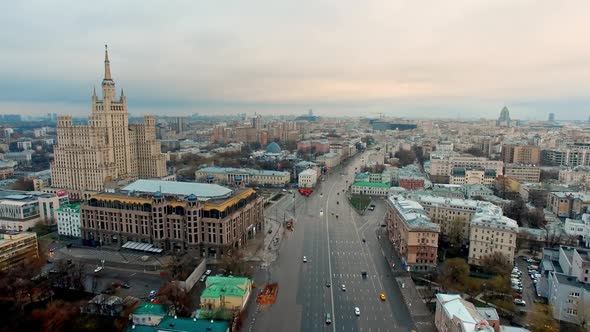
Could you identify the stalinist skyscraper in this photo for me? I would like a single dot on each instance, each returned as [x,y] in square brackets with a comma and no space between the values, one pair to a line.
[108,149]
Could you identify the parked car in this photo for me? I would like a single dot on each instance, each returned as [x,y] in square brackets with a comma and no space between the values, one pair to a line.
[519,302]
[98,269]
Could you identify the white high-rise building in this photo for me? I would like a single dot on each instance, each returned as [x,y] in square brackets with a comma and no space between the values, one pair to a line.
[108,148]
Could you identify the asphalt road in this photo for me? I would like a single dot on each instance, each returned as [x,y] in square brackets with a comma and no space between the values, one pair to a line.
[336,255]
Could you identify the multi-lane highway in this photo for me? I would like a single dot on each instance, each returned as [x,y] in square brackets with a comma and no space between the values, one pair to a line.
[330,234]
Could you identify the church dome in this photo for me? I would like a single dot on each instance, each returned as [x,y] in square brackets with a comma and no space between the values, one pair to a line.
[273,148]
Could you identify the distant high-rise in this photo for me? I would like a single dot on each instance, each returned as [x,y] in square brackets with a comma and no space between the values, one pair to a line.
[504,119]
[551,117]
[108,148]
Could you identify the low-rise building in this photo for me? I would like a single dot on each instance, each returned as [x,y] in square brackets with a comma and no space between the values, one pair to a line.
[329,160]
[476,190]
[226,293]
[7,169]
[307,178]
[576,175]
[68,220]
[441,165]
[523,172]
[412,233]
[17,248]
[176,216]
[568,204]
[151,317]
[242,176]
[370,189]
[21,210]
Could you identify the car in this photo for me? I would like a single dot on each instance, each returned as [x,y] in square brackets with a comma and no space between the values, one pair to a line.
[284,190]
[125,285]
[203,278]
[337,193]
[328,284]
[208,272]
[343,288]
[152,293]
[328,318]
[357,311]
[525,258]
[517,296]
[98,269]
[336,216]
[519,290]
[364,274]
[337,202]
[382,297]
[304,259]
[519,302]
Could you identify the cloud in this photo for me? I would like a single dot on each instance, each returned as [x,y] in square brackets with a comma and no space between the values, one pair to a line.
[338,56]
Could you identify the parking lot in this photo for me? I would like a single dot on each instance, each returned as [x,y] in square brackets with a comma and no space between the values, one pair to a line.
[529,292]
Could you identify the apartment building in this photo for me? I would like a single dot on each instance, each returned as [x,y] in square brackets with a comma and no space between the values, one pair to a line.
[513,153]
[443,166]
[565,282]
[16,248]
[490,233]
[412,233]
[568,204]
[572,155]
[68,220]
[462,175]
[108,148]
[313,146]
[177,216]
[523,173]
[242,176]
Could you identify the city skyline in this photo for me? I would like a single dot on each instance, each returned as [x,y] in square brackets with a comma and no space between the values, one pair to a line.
[454,60]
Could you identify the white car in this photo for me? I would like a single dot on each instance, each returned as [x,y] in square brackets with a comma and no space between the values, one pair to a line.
[304,259]
[98,269]
[343,288]
[519,302]
[152,293]
[208,272]
[357,311]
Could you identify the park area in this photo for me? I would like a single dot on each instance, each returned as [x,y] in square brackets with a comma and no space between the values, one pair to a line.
[360,202]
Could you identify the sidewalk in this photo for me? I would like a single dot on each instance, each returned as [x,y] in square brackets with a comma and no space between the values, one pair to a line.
[419,312]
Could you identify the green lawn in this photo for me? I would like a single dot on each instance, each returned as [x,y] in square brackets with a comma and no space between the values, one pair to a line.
[360,202]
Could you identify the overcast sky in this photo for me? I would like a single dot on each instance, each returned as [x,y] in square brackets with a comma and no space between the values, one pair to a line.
[459,58]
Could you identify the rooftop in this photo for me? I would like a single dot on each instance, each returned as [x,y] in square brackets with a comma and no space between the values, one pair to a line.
[371,184]
[413,213]
[204,191]
[250,171]
[465,312]
[147,308]
[171,324]
[72,207]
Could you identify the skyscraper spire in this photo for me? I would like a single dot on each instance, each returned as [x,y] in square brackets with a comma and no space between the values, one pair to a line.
[107,64]
[94,91]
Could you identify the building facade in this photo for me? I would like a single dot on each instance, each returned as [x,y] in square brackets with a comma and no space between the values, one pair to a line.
[568,204]
[443,166]
[491,233]
[523,173]
[521,154]
[17,248]
[463,176]
[370,189]
[307,178]
[242,176]
[21,210]
[176,216]
[68,220]
[412,233]
[108,148]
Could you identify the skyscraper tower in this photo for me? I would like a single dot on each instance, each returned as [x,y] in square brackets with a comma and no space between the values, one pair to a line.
[504,119]
[551,117]
[108,148]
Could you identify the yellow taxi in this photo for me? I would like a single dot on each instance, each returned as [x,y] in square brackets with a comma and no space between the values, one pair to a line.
[382,297]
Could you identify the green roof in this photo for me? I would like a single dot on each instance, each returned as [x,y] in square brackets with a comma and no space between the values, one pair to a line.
[371,184]
[216,291]
[147,308]
[73,206]
[227,280]
[171,324]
